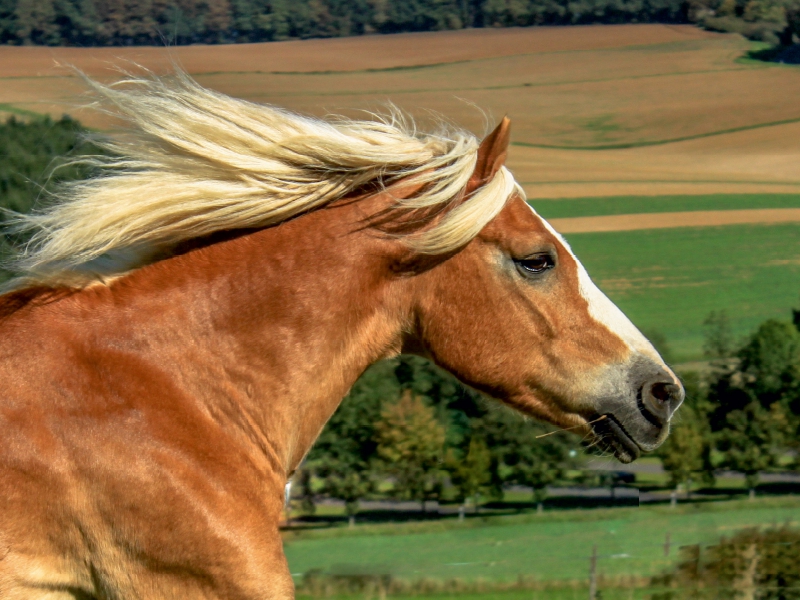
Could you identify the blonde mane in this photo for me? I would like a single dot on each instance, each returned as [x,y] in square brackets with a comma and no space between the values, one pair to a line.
[192,162]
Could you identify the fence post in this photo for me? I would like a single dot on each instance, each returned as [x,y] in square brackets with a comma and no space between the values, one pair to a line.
[593,574]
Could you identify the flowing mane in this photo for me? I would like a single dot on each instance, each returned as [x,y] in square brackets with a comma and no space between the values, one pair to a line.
[191,162]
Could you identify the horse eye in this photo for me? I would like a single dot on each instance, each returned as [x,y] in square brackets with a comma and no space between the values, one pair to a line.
[536,265]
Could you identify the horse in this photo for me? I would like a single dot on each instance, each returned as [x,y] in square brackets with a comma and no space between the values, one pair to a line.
[184,322]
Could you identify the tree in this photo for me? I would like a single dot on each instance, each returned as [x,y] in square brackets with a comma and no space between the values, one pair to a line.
[344,454]
[538,464]
[770,362]
[751,441]
[686,453]
[36,22]
[410,444]
[753,400]
[305,489]
[346,481]
[518,456]
[470,474]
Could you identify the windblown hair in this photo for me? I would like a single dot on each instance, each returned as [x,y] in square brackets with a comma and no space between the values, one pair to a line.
[192,162]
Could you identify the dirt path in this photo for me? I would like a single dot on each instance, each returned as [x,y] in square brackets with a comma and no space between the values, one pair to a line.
[701,218]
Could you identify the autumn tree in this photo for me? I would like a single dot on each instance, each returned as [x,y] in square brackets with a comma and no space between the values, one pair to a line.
[410,446]
[344,455]
[469,472]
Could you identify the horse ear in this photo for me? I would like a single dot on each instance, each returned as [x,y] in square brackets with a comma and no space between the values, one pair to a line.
[492,155]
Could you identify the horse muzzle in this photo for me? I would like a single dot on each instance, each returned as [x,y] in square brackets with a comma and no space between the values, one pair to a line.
[635,417]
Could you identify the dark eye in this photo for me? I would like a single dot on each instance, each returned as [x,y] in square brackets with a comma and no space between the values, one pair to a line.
[536,265]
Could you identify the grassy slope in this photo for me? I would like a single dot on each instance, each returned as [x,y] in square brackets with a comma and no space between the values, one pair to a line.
[554,546]
[670,279]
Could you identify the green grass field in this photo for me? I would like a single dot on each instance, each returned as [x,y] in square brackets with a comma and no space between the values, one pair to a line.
[577,593]
[553,546]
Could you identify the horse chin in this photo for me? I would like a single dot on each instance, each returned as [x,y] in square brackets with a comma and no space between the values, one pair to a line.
[626,440]
[611,436]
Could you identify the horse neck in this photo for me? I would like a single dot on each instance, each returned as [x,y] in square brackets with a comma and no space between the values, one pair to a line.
[274,327]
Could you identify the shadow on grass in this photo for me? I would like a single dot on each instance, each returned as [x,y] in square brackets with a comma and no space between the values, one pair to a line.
[489,509]
[777,54]
[565,503]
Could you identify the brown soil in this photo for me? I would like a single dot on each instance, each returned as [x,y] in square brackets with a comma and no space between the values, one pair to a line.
[703,218]
[347,54]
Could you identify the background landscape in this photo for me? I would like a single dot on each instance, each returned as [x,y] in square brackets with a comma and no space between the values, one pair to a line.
[669,156]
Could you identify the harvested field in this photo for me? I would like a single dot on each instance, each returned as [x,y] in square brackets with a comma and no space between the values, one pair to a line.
[758,160]
[703,218]
[597,110]
[563,208]
[346,54]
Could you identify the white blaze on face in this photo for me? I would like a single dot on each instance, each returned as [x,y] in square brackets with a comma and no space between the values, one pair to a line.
[603,310]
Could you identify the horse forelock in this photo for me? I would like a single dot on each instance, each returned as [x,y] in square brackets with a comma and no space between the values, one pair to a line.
[193,162]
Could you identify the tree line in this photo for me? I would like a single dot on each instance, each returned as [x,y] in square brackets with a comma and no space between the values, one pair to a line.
[774,21]
[146,22]
[134,22]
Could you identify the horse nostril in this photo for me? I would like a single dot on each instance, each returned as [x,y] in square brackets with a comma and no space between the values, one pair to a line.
[658,400]
[663,392]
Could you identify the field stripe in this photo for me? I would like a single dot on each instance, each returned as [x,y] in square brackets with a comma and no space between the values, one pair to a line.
[700,218]
[10,108]
[686,138]
[482,88]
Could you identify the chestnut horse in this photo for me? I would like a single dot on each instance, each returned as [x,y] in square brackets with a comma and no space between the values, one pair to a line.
[186,322]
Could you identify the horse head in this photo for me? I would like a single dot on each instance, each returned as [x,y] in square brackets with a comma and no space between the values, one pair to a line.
[515,314]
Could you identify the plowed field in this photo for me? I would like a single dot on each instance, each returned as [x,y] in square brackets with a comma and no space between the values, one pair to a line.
[599,110]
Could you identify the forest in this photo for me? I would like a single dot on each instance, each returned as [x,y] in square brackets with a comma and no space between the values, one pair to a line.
[160,22]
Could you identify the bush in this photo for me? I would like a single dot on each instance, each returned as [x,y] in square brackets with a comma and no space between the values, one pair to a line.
[763,565]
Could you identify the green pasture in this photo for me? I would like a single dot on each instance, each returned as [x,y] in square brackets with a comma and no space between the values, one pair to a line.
[549,547]
[579,593]
[621,205]
[670,279]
